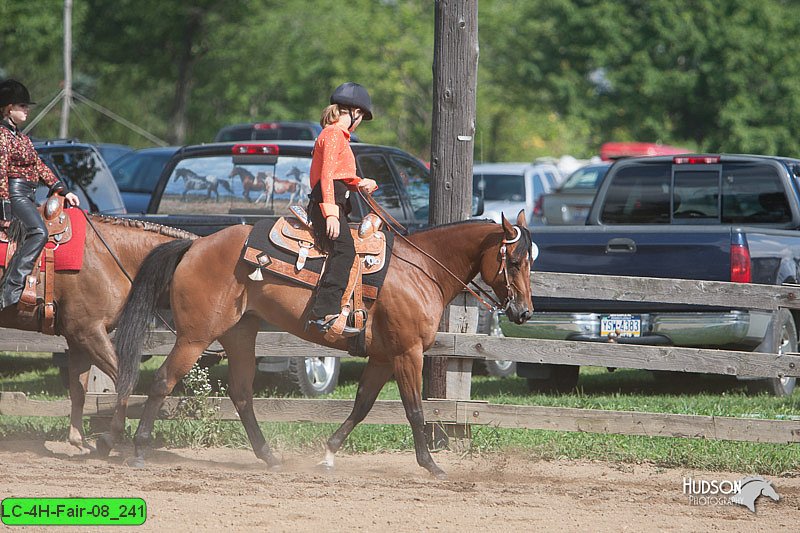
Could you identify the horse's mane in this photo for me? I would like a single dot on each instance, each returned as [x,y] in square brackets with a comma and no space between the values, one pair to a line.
[519,251]
[146,226]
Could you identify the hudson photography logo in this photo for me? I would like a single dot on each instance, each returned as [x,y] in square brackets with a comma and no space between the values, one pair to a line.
[744,491]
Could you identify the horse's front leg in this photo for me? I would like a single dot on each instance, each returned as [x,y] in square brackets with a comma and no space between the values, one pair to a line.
[372,381]
[408,374]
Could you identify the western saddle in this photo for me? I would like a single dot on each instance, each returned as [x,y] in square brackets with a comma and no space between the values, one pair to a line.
[38,291]
[294,235]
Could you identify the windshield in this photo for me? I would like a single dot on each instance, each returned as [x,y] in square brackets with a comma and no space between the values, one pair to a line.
[585,178]
[139,172]
[223,185]
[500,187]
[85,174]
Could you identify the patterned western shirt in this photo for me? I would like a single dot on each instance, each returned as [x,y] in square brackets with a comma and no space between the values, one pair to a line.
[18,159]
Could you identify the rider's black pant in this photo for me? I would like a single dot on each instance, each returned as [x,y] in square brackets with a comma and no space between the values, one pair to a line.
[341,254]
[23,207]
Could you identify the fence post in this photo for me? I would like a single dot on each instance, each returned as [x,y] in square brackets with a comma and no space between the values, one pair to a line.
[99,382]
[455,383]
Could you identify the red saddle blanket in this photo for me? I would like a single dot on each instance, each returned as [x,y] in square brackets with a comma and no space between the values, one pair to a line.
[68,256]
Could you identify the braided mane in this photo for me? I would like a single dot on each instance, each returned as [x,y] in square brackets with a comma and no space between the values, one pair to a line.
[146,226]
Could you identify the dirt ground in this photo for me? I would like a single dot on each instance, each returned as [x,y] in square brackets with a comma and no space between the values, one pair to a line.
[215,489]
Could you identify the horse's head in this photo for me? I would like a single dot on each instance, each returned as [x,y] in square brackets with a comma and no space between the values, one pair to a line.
[507,269]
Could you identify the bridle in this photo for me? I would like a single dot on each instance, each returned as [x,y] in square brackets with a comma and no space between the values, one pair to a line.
[510,292]
[393,225]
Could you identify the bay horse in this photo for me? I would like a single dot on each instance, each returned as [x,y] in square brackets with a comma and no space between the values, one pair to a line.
[194,181]
[88,301]
[212,298]
[250,182]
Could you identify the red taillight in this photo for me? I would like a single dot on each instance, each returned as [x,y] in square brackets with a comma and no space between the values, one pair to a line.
[255,149]
[266,126]
[740,264]
[537,207]
[695,160]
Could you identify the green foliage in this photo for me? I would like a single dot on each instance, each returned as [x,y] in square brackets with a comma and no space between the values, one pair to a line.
[555,76]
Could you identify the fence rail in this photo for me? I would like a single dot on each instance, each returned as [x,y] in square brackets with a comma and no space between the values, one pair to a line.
[448,412]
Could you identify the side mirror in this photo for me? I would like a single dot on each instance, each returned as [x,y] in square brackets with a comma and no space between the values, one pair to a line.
[477,204]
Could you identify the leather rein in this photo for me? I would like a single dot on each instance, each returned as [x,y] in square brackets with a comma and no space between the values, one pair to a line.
[393,225]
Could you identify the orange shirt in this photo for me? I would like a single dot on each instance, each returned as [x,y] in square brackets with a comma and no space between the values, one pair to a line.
[333,160]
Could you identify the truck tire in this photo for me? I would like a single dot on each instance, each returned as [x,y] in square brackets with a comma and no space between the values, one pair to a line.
[563,379]
[313,376]
[489,323]
[786,341]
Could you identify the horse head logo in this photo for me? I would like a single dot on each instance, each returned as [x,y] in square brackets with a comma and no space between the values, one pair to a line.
[752,488]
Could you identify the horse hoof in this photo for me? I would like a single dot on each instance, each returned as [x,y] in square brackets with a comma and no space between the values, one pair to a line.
[104,447]
[325,466]
[135,462]
[439,474]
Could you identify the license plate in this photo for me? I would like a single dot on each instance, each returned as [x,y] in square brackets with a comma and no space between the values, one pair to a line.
[621,325]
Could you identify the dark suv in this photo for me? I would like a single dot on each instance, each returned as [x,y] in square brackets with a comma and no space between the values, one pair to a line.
[85,173]
[269,131]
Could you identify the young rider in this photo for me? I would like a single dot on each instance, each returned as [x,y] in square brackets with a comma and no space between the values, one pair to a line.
[333,177]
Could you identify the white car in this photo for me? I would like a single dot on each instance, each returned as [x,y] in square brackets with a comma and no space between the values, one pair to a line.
[508,187]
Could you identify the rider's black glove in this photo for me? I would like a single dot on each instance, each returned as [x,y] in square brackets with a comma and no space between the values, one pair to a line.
[58,188]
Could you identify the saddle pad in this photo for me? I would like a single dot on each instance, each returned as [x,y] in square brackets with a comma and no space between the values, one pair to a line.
[68,256]
[259,240]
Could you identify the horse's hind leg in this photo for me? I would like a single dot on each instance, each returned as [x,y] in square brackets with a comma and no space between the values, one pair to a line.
[408,373]
[78,372]
[239,343]
[372,381]
[180,360]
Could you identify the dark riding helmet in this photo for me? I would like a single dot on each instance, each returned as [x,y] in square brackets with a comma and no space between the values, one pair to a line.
[353,95]
[13,92]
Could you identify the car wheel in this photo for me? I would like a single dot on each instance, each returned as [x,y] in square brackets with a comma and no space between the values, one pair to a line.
[313,376]
[563,379]
[786,342]
[489,323]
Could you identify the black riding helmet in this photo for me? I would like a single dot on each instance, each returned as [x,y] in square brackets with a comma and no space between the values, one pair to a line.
[13,92]
[351,94]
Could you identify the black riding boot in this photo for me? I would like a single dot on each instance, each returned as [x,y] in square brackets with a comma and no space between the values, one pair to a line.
[22,194]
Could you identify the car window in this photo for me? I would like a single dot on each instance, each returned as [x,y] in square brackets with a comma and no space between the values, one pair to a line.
[284,132]
[538,186]
[376,167]
[500,187]
[415,178]
[640,194]
[585,178]
[139,172]
[85,174]
[753,192]
[235,134]
[552,180]
[227,185]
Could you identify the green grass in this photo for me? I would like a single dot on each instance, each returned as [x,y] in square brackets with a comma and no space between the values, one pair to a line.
[624,390]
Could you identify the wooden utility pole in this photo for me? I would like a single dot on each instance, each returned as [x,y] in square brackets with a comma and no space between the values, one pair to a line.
[66,103]
[455,78]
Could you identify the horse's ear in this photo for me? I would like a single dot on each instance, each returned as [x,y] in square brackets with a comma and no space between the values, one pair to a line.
[521,220]
[508,228]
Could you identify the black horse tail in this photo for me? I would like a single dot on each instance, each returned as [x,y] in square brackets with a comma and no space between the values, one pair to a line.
[152,280]
[226,185]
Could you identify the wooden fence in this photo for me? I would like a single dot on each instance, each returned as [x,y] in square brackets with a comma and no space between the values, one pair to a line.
[458,348]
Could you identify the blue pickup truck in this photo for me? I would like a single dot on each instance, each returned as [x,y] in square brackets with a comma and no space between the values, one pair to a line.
[713,217]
